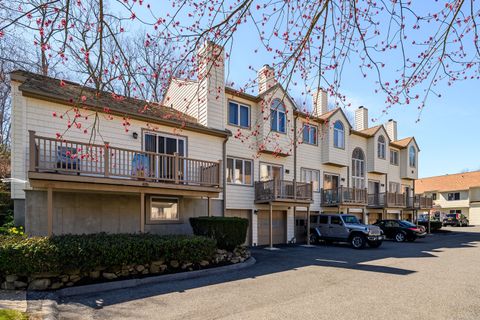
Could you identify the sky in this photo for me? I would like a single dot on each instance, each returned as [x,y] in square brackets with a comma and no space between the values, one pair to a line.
[448,132]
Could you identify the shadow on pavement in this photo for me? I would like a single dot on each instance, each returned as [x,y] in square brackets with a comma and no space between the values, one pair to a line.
[293,257]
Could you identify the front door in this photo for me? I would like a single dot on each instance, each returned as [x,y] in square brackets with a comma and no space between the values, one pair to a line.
[374,191]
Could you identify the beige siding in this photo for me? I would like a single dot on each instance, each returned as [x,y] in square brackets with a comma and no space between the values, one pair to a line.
[40,119]
[408,172]
[332,154]
[182,95]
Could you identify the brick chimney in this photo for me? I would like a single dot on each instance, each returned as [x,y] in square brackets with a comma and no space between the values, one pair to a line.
[320,102]
[266,78]
[391,127]
[361,118]
[211,85]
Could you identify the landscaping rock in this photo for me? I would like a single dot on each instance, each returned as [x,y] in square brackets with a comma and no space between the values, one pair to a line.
[69,284]
[64,278]
[204,263]
[109,275]
[74,278]
[11,278]
[235,260]
[7,286]
[19,284]
[56,285]
[140,268]
[187,265]
[158,263]
[94,274]
[174,264]
[39,284]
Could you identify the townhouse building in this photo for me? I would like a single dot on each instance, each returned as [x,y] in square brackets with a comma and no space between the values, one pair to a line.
[207,149]
[453,193]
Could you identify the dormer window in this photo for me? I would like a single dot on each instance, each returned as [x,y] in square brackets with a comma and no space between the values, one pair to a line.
[412,157]
[278,116]
[381,147]
[338,135]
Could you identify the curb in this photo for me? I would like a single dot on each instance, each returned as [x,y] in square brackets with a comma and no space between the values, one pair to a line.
[123,284]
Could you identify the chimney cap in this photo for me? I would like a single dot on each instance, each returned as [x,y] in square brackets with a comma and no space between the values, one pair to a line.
[390,120]
[361,107]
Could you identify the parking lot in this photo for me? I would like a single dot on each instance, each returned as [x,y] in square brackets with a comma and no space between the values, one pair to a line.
[434,278]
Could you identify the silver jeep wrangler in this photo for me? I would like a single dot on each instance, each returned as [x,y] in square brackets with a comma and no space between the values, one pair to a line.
[344,228]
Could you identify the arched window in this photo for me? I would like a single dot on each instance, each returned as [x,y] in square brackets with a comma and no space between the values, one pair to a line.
[412,157]
[278,116]
[358,168]
[338,135]
[381,147]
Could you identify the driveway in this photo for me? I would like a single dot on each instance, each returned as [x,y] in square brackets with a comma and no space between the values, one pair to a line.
[434,278]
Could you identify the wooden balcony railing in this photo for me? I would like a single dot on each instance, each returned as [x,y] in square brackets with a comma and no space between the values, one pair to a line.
[419,202]
[273,190]
[386,200]
[344,195]
[85,159]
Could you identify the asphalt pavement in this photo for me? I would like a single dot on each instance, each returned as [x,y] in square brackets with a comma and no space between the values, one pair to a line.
[433,278]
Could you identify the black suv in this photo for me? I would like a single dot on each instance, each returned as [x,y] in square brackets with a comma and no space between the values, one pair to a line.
[456,220]
[400,230]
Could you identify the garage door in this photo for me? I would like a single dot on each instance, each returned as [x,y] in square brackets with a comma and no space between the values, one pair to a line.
[242,213]
[279,227]
[474,215]
[301,226]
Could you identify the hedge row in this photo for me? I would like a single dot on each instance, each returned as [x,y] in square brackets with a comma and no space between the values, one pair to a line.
[58,254]
[229,232]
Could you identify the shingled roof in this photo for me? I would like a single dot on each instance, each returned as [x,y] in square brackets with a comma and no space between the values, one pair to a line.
[449,182]
[75,94]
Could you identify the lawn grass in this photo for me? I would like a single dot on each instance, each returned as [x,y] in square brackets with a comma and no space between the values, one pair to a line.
[6,314]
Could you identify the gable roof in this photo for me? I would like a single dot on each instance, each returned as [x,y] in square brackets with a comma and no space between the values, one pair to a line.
[371,131]
[403,143]
[74,94]
[327,115]
[449,182]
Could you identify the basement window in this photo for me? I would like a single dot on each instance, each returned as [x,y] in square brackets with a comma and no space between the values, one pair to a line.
[163,209]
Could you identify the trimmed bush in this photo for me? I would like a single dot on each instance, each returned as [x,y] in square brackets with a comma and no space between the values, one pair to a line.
[228,232]
[59,254]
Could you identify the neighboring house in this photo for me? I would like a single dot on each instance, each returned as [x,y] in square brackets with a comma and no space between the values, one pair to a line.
[208,149]
[453,193]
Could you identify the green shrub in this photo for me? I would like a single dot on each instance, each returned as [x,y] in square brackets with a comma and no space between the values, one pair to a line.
[58,254]
[229,232]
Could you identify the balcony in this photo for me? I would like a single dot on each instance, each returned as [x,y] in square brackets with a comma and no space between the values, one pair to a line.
[344,196]
[419,202]
[283,191]
[386,200]
[55,159]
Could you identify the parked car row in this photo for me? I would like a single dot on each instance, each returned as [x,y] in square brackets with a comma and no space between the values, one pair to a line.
[456,220]
[347,228]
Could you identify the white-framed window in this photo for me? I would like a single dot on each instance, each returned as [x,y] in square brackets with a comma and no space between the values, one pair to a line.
[381,147]
[278,116]
[239,114]
[358,169]
[338,135]
[239,171]
[452,196]
[163,209]
[270,171]
[412,157]
[394,157]
[309,134]
[311,175]
[394,187]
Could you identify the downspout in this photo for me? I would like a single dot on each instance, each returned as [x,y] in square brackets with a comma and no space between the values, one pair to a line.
[224,176]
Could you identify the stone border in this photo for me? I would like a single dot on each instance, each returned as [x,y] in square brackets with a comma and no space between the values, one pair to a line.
[130,283]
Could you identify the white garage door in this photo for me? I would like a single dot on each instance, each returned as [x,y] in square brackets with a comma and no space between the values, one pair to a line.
[474,215]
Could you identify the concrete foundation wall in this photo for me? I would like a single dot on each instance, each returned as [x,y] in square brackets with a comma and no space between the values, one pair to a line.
[78,213]
[19,212]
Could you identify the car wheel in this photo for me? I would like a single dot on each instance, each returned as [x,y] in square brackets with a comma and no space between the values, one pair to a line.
[313,239]
[400,237]
[358,241]
[374,244]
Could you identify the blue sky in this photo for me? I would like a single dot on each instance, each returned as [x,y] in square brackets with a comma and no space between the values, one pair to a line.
[448,132]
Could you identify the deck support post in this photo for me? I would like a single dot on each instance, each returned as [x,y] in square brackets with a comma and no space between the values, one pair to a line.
[209,207]
[142,212]
[270,234]
[49,211]
[308,225]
